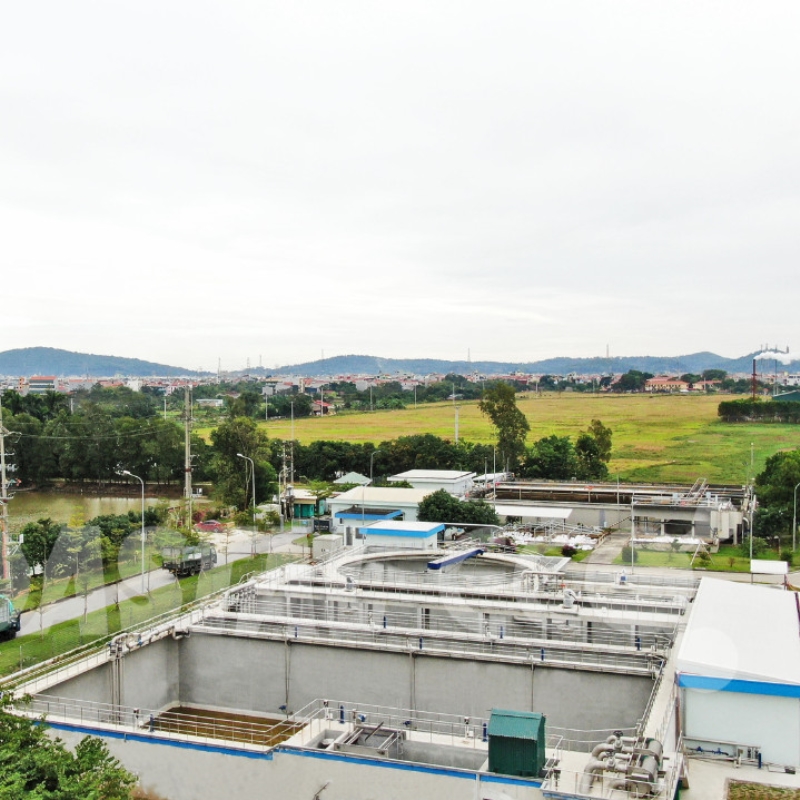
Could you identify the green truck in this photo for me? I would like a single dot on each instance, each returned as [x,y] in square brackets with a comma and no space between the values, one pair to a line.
[190,560]
[9,619]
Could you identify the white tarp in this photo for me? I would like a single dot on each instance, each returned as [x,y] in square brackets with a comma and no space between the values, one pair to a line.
[542,512]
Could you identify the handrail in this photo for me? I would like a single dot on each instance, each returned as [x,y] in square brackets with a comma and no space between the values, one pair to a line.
[434,643]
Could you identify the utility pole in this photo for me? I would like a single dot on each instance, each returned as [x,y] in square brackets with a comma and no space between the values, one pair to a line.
[187,464]
[291,450]
[4,499]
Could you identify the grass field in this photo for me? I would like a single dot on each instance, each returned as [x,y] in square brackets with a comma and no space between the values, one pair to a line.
[656,438]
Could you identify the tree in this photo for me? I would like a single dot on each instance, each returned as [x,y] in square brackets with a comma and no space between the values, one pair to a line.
[233,479]
[714,374]
[632,381]
[418,451]
[38,540]
[247,404]
[602,435]
[775,487]
[36,766]
[551,458]
[499,403]
[440,506]
[591,466]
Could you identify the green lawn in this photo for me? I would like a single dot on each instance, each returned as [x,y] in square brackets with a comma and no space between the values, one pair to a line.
[68,586]
[728,559]
[655,438]
[542,550]
[33,648]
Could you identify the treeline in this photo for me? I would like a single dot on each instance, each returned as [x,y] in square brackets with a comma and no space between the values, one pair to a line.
[91,446]
[93,437]
[550,458]
[758,410]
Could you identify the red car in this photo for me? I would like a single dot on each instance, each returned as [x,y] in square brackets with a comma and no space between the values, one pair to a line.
[210,526]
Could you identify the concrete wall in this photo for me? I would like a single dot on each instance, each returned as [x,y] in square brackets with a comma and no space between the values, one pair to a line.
[251,675]
[196,773]
[94,686]
[149,678]
[260,676]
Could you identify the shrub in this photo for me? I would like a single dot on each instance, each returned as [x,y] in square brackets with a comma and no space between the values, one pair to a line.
[703,558]
[629,554]
[759,547]
[568,550]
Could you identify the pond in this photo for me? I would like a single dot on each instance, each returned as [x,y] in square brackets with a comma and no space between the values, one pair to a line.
[25,507]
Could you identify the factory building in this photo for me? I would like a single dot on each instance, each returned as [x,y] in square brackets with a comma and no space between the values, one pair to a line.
[454,482]
[654,512]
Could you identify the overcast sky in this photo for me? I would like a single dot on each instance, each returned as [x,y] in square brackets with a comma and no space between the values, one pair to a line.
[196,182]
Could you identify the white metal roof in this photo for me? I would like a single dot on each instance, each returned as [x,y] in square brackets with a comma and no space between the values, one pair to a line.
[432,475]
[353,477]
[744,632]
[543,512]
[375,495]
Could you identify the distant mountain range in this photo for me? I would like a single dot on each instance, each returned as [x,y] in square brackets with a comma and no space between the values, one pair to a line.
[658,365]
[29,361]
[51,361]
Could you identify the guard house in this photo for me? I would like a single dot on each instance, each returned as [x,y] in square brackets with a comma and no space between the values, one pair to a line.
[306,505]
[402,535]
[452,481]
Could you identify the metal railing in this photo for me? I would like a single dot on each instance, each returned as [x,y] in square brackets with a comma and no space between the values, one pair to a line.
[351,609]
[642,578]
[438,643]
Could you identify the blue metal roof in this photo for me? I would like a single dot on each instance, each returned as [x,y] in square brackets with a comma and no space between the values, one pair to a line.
[414,530]
[367,515]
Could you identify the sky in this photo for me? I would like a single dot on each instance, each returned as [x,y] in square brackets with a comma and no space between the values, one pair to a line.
[216,183]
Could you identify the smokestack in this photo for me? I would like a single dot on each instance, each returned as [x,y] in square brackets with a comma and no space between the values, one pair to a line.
[776,355]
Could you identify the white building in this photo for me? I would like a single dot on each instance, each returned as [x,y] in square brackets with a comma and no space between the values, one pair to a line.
[739,674]
[365,504]
[455,482]
[402,535]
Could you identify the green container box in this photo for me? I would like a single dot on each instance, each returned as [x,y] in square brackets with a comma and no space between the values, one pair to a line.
[516,743]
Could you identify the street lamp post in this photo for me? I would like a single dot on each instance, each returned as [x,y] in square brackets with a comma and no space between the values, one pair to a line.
[253,469]
[128,472]
[363,490]
[794,520]
[371,456]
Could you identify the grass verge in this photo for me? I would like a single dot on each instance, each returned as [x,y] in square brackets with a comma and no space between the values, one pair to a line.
[728,559]
[33,648]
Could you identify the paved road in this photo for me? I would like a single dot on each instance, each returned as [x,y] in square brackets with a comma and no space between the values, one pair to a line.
[239,546]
